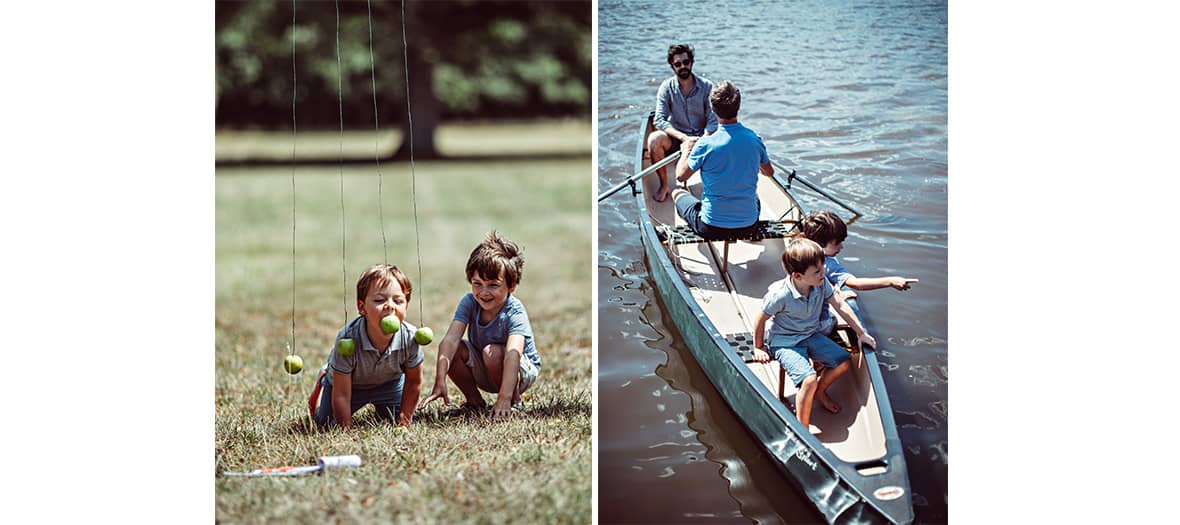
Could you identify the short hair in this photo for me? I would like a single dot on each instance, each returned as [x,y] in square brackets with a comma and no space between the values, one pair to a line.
[381,275]
[677,49]
[725,99]
[496,254]
[824,227]
[801,254]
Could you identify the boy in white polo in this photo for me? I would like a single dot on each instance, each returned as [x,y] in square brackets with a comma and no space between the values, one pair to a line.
[794,305]
[380,369]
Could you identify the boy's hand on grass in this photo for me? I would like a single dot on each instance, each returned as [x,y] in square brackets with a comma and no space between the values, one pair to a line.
[436,393]
[501,410]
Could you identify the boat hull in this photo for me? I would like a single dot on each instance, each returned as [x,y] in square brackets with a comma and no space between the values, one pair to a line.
[840,492]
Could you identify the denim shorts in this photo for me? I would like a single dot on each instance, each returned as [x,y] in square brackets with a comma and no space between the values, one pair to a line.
[528,371]
[386,398]
[820,348]
[689,207]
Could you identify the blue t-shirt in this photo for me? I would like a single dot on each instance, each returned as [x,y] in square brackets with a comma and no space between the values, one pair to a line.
[691,114]
[836,275]
[793,316]
[512,320]
[835,272]
[729,160]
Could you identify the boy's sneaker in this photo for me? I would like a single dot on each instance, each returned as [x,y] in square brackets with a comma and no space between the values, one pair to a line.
[466,409]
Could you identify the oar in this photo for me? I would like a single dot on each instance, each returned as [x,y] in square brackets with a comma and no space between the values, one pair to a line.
[791,176]
[667,160]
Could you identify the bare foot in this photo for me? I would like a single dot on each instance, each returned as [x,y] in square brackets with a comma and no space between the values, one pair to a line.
[661,194]
[829,404]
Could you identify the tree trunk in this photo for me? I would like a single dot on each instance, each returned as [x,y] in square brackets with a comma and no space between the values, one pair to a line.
[423,111]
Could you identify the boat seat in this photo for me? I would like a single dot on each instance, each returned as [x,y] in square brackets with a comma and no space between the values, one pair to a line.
[743,345]
[684,234]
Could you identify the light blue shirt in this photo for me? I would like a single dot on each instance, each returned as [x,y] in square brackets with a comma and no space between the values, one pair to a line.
[836,275]
[835,272]
[793,316]
[729,160]
[512,320]
[691,114]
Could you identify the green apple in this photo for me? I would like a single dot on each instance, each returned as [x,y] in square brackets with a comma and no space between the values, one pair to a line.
[390,324]
[346,347]
[424,335]
[293,364]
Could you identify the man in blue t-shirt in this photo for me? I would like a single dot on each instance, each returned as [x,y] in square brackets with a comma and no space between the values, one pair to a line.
[729,161]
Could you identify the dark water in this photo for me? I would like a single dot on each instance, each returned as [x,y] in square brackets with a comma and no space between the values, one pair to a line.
[854,96]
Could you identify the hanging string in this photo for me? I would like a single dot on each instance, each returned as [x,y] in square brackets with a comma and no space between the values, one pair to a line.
[294,135]
[413,180]
[340,106]
[376,133]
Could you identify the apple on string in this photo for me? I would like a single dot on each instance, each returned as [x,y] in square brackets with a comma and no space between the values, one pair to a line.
[346,347]
[293,364]
[424,335]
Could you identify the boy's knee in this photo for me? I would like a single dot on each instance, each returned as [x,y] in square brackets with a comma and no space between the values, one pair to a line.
[323,420]
[493,352]
[808,383]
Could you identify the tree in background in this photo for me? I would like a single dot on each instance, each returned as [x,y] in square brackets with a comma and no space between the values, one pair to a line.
[467,60]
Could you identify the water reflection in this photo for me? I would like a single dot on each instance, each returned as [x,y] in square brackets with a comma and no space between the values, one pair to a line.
[761,491]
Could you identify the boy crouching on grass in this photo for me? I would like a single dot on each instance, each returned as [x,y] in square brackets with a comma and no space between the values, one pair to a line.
[794,305]
[378,368]
[498,354]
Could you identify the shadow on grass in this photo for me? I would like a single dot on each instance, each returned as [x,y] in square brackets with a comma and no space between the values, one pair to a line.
[563,409]
[437,416]
[365,418]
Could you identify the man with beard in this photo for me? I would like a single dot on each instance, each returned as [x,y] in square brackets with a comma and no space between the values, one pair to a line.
[682,111]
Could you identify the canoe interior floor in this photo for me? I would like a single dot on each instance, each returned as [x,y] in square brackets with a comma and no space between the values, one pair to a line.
[855,434]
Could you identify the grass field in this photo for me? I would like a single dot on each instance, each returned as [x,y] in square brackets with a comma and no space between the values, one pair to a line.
[535,468]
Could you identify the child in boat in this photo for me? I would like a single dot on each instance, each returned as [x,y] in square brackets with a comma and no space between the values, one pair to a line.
[829,231]
[498,355]
[372,366]
[794,305]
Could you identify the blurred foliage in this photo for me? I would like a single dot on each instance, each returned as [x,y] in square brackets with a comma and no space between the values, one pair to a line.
[485,60]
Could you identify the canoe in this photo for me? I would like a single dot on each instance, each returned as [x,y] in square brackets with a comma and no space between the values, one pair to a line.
[854,470]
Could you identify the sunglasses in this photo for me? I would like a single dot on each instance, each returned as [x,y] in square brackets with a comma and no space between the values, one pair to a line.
[681,63]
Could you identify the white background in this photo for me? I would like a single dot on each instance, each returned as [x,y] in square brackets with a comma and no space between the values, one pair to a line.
[1062,129]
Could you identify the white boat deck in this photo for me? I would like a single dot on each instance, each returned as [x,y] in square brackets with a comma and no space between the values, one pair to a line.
[853,435]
